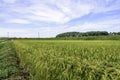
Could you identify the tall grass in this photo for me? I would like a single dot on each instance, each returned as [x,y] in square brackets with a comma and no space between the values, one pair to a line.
[70,60]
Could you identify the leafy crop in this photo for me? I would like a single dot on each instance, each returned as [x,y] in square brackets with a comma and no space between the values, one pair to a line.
[71,59]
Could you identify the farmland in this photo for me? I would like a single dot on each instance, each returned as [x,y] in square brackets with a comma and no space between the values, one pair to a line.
[70,59]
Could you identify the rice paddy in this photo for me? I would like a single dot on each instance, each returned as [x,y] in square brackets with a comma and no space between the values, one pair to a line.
[70,59]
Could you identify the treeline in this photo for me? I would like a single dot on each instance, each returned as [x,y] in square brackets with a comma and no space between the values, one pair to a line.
[90,33]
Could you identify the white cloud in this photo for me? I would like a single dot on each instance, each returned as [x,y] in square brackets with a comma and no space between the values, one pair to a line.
[18,21]
[74,9]
[4,30]
[53,31]
[12,32]
[58,12]
[102,6]
[9,1]
[44,13]
[3,15]
[64,12]
[104,25]
[61,11]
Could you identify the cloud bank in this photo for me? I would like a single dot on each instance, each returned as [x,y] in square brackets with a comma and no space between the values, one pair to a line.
[25,18]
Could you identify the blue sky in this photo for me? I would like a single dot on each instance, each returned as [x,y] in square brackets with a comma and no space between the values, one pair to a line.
[25,18]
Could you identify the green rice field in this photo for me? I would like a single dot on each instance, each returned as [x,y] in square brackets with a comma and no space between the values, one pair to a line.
[70,59]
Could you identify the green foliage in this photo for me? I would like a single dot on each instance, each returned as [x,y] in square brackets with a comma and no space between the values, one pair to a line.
[69,34]
[110,37]
[79,34]
[97,33]
[118,33]
[70,59]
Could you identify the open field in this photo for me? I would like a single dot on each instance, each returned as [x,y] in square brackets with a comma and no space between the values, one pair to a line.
[70,59]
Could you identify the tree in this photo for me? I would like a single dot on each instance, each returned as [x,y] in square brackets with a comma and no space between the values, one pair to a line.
[79,34]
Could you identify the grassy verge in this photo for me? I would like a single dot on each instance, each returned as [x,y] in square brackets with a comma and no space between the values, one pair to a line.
[9,63]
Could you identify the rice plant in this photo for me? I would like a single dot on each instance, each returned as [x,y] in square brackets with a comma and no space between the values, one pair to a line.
[71,59]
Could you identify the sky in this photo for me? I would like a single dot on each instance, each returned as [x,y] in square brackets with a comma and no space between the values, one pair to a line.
[28,18]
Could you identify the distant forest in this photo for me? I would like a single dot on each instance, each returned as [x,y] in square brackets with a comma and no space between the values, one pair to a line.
[90,33]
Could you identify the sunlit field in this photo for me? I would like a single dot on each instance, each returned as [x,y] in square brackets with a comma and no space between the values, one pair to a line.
[70,59]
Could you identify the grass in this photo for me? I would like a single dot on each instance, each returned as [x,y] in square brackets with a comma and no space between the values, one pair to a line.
[9,62]
[71,59]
